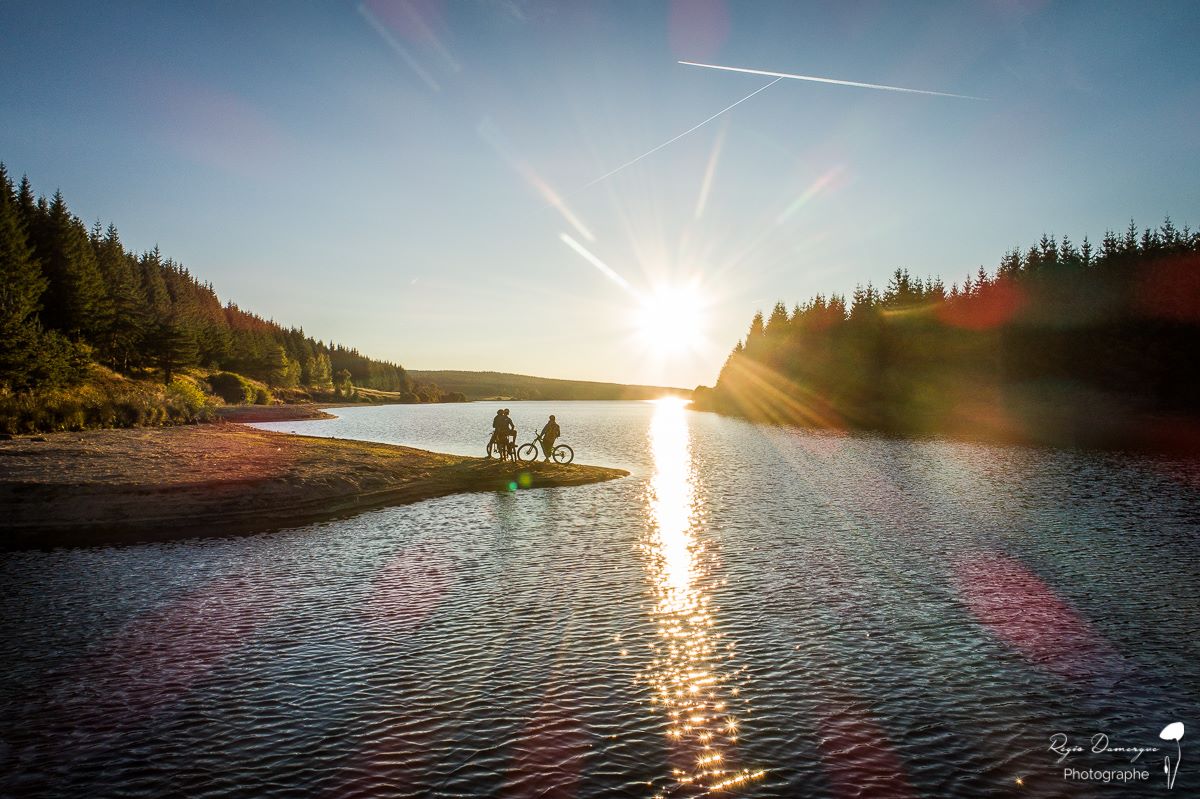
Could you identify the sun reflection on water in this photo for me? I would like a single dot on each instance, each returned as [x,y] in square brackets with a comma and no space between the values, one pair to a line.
[687,674]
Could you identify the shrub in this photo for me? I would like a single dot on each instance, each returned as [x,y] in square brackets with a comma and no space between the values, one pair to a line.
[233,388]
[262,397]
[186,402]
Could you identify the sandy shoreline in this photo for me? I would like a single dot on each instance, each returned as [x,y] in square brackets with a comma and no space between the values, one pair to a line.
[154,484]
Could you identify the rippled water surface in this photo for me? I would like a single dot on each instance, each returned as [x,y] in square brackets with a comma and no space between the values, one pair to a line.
[754,612]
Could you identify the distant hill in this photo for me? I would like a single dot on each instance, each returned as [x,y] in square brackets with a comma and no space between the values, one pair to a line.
[484,385]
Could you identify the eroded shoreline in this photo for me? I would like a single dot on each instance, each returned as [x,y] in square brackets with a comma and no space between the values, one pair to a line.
[157,484]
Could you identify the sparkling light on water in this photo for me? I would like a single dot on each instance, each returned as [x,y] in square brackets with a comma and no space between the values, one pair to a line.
[688,672]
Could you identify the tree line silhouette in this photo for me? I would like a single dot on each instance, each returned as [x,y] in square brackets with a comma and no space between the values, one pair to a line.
[71,296]
[1065,343]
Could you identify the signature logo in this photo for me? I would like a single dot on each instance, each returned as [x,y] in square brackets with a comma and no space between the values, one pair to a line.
[1172,732]
[1100,743]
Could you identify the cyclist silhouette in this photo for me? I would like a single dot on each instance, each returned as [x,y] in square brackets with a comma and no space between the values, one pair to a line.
[499,428]
[510,437]
[550,434]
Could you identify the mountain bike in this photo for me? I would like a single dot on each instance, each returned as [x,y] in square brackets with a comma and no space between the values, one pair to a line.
[505,450]
[561,452]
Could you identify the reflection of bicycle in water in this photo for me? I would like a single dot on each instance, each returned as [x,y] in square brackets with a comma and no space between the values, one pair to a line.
[561,452]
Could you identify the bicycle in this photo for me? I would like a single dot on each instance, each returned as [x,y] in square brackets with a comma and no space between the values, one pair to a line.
[505,449]
[561,452]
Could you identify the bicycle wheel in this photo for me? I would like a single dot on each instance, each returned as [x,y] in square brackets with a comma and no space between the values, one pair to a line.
[563,454]
[493,450]
[527,452]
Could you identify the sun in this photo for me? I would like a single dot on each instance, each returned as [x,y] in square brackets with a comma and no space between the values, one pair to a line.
[671,319]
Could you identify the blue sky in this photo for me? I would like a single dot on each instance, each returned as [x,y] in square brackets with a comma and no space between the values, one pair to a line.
[383,174]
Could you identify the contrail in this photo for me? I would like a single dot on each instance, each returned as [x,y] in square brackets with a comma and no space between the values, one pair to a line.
[609,174]
[782,75]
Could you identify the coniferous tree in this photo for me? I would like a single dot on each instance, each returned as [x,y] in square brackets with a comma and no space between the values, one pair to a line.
[21,287]
[75,301]
[1129,244]
[26,203]
[902,291]
[174,348]
[777,323]
[756,334]
[21,281]
[342,383]
[320,373]
[282,371]
[120,341]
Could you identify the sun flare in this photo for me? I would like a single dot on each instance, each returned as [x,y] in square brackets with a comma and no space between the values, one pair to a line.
[670,319]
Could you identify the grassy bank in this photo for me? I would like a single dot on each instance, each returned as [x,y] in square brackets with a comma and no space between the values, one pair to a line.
[107,399]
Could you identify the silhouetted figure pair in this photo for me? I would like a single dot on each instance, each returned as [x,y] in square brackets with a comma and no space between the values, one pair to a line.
[504,435]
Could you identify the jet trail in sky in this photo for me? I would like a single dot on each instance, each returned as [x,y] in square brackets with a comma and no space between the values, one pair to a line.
[609,174]
[782,75]
[778,76]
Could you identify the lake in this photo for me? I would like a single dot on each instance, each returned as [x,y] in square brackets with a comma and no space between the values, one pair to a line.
[753,612]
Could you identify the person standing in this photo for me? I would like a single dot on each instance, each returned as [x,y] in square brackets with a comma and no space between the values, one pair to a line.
[510,436]
[499,433]
[550,434]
